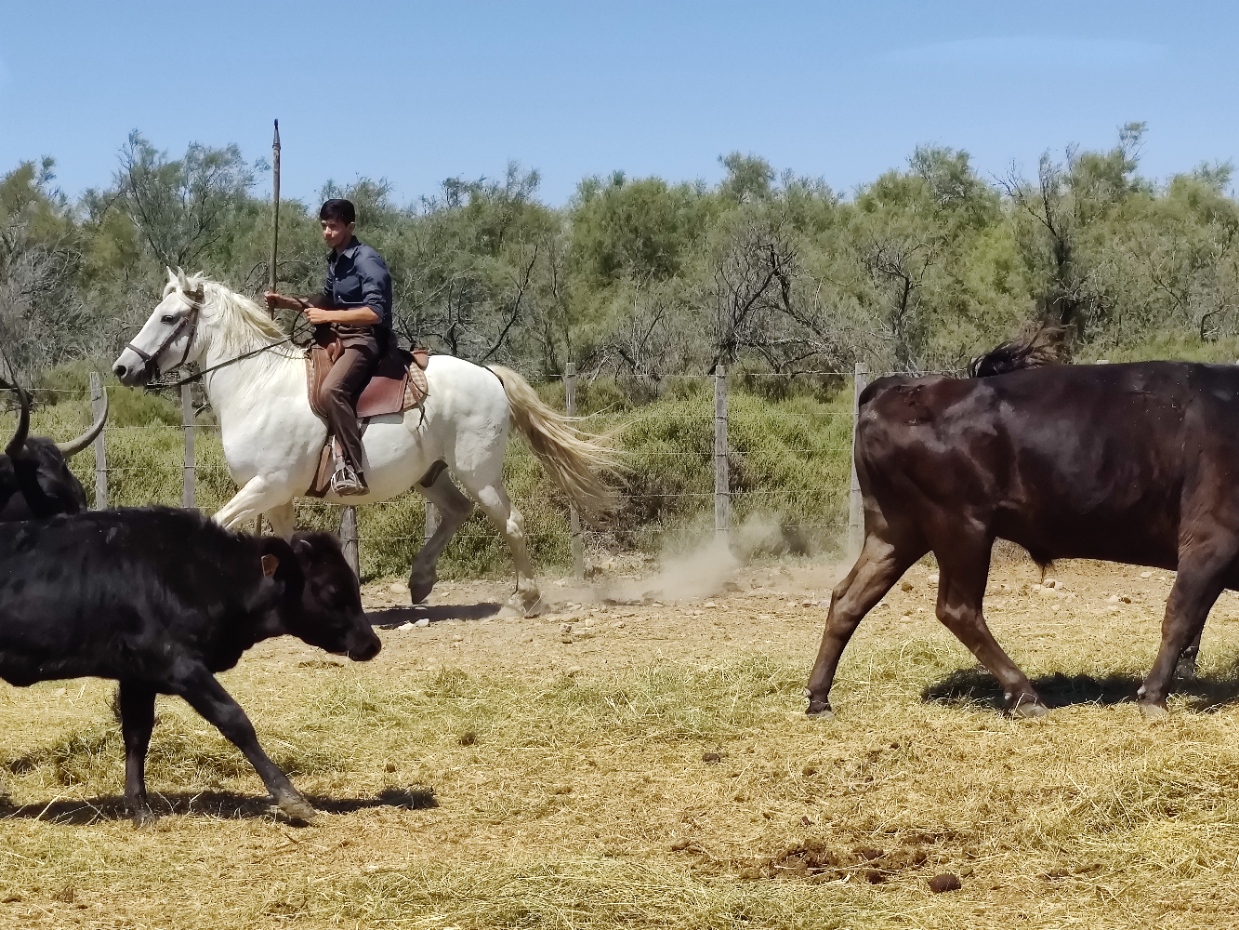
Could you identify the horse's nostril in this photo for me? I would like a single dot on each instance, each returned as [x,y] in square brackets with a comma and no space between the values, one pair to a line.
[119,370]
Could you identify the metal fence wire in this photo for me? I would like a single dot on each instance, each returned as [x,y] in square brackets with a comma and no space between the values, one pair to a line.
[182,465]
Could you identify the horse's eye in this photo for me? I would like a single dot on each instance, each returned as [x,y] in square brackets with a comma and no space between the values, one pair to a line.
[168,318]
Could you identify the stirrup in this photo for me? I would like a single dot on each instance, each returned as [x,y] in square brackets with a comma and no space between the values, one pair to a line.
[346,482]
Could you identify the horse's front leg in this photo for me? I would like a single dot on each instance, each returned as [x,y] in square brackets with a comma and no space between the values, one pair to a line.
[258,495]
[283,520]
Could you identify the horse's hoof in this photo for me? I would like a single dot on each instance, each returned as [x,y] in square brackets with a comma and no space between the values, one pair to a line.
[420,591]
[143,817]
[1153,711]
[1030,710]
[298,808]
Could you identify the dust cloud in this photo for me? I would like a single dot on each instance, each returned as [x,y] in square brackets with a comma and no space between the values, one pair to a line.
[688,572]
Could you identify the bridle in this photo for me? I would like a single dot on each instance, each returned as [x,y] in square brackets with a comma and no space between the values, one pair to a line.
[150,366]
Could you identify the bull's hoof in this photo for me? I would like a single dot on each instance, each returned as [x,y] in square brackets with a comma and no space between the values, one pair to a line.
[820,710]
[1153,711]
[143,816]
[298,808]
[1186,670]
[1030,710]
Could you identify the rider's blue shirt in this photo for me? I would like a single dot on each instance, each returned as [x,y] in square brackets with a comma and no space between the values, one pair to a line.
[358,277]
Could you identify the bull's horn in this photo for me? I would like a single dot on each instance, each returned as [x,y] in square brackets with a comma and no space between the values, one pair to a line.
[74,446]
[23,420]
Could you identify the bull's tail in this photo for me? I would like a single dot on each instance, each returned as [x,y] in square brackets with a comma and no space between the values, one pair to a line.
[578,462]
[1040,345]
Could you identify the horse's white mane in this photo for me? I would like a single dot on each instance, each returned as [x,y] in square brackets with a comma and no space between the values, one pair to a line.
[236,320]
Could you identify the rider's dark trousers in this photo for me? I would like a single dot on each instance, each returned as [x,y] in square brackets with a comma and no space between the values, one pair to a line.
[342,387]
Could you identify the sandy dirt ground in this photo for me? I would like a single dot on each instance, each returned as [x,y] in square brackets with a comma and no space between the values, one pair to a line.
[704,608]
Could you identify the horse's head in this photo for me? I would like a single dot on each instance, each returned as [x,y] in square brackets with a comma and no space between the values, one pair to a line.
[167,340]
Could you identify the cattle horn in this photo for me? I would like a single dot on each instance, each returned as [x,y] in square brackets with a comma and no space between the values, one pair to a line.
[23,419]
[74,446]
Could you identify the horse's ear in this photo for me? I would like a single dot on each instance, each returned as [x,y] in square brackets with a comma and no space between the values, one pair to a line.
[182,281]
[171,274]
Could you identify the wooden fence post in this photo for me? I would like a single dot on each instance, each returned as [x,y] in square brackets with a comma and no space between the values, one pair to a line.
[722,478]
[348,539]
[574,518]
[101,458]
[188,498]
[856,506]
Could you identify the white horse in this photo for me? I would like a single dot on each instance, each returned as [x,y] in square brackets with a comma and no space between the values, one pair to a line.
[256,382]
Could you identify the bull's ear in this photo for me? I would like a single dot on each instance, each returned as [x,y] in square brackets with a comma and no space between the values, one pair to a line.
[270,563]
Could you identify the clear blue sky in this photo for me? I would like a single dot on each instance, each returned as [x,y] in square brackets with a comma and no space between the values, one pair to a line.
[416,92]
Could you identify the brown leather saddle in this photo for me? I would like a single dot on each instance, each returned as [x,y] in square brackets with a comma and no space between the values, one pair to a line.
[398,384]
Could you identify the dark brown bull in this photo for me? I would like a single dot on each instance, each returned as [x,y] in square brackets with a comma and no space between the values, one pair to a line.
[1130,463]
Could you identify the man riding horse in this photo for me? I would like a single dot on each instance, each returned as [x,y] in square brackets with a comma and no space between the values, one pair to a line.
[355,304]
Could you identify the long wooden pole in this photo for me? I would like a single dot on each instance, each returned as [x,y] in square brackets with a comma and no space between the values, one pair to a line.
[275,200]
[275,238]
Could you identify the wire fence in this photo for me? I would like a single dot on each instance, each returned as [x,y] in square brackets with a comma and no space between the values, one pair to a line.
[183,465]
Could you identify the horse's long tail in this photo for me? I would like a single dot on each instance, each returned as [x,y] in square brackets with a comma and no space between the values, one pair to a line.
[577,461]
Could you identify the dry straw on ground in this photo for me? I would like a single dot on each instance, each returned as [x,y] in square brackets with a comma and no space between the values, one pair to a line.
[653,768]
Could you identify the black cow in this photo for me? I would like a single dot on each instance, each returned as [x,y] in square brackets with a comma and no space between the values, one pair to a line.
[35,480]
[160,600]
[1133,463]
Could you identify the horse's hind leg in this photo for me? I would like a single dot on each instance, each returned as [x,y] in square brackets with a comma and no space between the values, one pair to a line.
[454,509]
[493,500]
[882,561]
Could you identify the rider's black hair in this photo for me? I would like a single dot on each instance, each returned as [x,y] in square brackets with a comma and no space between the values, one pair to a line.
[342,211]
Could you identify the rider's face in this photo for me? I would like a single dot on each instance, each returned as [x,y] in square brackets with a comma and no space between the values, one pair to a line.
[337,234]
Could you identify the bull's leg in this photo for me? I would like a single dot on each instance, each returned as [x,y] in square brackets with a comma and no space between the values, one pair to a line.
[1197,585]
[137,719]
[454,509]
[880,565]
[961,590]
[1186,666]
[208,697]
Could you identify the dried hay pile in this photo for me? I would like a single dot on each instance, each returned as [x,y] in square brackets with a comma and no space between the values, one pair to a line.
[654,769]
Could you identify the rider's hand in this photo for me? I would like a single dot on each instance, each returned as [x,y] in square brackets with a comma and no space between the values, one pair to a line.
[317,315]
[276,299]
